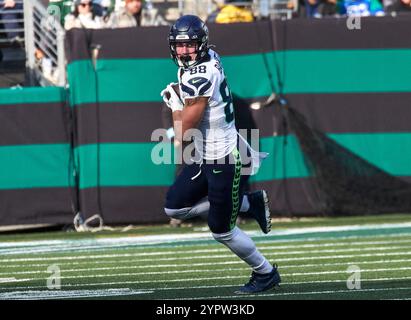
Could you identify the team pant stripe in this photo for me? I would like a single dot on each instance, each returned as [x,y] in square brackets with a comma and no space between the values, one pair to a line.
[236,188]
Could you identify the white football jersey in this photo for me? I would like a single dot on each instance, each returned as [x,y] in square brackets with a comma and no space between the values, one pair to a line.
[218,133]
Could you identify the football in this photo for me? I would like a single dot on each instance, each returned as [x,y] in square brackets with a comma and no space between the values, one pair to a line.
[176,89]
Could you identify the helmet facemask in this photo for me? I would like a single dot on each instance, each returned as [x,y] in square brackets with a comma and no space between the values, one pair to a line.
[189,56]
[188,30]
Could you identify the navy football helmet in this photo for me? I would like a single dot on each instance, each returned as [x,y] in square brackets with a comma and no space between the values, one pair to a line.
[188,29]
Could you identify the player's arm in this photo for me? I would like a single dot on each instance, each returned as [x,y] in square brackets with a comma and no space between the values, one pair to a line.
[190,116]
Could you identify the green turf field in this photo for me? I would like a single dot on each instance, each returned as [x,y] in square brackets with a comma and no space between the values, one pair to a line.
[159,262]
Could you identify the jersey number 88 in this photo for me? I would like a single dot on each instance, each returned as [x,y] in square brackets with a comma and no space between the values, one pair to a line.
[228,100]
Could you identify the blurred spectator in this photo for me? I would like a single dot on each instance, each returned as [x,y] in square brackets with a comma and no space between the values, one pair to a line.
[232,11]
[320,8]
[400,6]
[294,6]
[129,16]
[135,14]
[361,8]
[103,8]
[312,8]
[60,9]
[387,3]
[8,14]
[328,7]
[152,15]
[83,16]
[45,65]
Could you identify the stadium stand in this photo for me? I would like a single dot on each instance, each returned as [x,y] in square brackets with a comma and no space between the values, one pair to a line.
[44,50]
[12,58]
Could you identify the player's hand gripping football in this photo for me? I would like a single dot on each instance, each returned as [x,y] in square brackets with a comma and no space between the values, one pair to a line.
[171,97]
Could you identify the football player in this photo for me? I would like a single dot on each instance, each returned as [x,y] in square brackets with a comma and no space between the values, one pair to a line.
[204,102]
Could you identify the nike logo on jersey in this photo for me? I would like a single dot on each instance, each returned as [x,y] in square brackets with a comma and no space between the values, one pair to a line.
[217,171]
[197,81]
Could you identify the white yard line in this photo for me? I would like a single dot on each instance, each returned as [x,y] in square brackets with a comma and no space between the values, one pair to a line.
[190,265]
[279,294]
[122,283]
[131,274]
[341,241]
[210,270]
[261,247]
[283,267]
[69,294]
[7,280]
[408,253]
[190,252]
[170,252]
[62,294]
[204,264]
[115,242]
[136,261]
[298,283]
[358,239]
